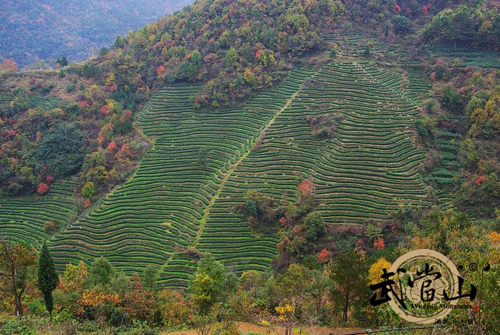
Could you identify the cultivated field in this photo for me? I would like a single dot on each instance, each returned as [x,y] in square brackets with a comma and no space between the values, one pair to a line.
[179,202]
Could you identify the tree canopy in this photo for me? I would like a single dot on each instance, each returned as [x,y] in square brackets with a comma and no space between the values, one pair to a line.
[62,150]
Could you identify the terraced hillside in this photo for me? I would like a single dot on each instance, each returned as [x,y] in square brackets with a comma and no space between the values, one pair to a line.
[446,178]
[470,57]
[24,218]
[176,203]
[179,202]
[162,210]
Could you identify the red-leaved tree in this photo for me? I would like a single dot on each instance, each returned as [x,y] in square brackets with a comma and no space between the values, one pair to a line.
[306,187]
[379,244]
[42,189]
[325,256]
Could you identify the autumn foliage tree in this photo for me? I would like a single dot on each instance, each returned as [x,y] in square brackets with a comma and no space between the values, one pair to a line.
[42,189]
[8,65]
[112,146]
[306,187]
[138,302]
[97,302]
[75,277]
[376,270]
[173,307]
[379,243]
[17,259]
[325,256]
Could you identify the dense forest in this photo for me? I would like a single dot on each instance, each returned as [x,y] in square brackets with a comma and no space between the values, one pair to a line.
[236,54]
[47,30]
[479,26]
[252,161]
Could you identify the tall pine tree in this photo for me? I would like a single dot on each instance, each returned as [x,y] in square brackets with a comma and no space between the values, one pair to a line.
[47,277]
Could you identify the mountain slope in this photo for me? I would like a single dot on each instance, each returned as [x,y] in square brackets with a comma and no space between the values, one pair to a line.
[176,206]
[161,208]
[32,30]
[180,201]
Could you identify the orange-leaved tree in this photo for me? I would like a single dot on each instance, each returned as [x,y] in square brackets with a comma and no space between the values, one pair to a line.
[9,65]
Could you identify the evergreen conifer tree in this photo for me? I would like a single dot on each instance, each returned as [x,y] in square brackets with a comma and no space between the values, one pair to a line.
[47,277]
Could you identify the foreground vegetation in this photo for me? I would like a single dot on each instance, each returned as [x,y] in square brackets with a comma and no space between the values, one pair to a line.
[330,288]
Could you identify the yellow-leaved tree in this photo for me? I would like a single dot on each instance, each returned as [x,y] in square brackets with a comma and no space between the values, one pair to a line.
[376,270]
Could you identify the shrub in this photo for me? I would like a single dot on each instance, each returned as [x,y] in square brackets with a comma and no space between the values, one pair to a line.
[426,128]
[51,227]
[315,226]
[16,327]
[366,51]
[70,88]
[452,98]
[324,125]
[118,318]
[401,24]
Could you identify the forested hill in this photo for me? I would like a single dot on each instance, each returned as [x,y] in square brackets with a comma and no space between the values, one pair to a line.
[238,47]
[31,30]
